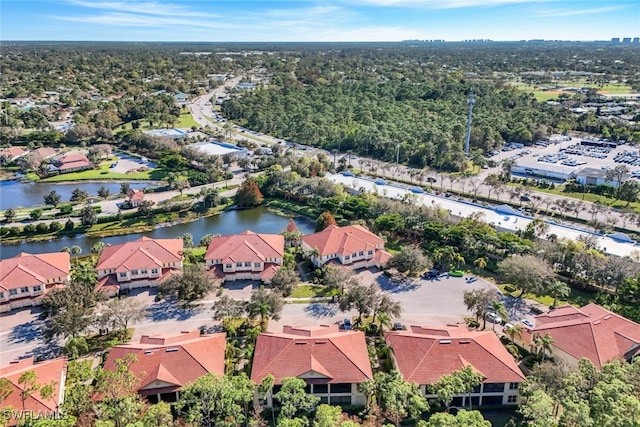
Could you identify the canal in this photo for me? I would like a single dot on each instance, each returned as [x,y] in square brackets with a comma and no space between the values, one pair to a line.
[14,194]
[259,220]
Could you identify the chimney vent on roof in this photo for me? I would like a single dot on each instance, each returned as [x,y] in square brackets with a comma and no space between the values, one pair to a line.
[321,342]
[607,317]
[148,352]
[465,342]
[171,350]
[301,343]
[597,322]
[445,341]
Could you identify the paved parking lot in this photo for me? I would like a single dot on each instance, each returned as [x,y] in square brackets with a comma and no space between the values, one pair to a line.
[436,302]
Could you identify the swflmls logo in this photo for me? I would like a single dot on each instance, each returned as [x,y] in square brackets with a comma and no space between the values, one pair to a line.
[14,414]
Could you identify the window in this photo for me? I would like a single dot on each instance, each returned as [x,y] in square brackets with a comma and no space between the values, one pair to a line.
[493,388]
[340,388]
[143,271]
[256,264]
[1,294]
[347,257]
[123,274]
[307,388]
[512,399]
[324,399]
[134,272]
[513,386]
[238,264]
[353,255]
[320,388]
[361,253]
[228,266]
[13,292]
[36,288]
[154,271]
[24,289]
[247,264]
[340,400]
[369,252]
[491,400]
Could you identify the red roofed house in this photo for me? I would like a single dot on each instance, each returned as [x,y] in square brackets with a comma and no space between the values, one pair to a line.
[43,153]
[51,372]
[136,197]
[70,163]
[166,363]
[332,361]
[246,256]
[353,246]
[591,331]
[26,278]
[143,262]
[12,153]
[425,354]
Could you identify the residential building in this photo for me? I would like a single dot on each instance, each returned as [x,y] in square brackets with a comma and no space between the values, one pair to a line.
[591,332]
[246,256]
[141,263]
[43,153]
[69,163]
[166,363]
[51,372]
[136,197]
[26,278]
[12,153]
[331,361]
[424,354]
[353,246]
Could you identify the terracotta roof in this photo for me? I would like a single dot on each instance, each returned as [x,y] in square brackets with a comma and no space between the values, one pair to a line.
[50,371]
[13,152]
[382,257]
[591,331]
[335,355]
[425,354]
[135,194]
[141,253]
[174,360]
[269,272]
[343,240]
[27,270]
[246,246]
[44,152]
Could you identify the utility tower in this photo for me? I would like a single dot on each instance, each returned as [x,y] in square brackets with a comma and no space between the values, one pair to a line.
[470,101]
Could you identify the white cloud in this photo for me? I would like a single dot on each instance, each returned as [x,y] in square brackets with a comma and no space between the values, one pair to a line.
[445,4]
[144,7]
[576,11]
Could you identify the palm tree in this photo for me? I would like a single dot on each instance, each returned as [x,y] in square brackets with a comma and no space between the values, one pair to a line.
[514,331]
[384,321]
[558,289]
[543,344]
[481,263]
[498,308]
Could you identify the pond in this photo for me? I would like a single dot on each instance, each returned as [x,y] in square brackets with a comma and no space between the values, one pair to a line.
[15,194]
[259,220]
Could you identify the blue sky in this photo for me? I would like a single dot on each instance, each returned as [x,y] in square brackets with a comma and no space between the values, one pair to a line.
[308,20]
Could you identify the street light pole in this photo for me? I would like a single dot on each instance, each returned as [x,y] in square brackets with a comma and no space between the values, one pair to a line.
[397,153]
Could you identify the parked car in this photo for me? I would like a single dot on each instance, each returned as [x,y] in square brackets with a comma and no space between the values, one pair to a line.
[525,198]
[527,323]
[346,325]
[506,327]
[494,318]
[397,326]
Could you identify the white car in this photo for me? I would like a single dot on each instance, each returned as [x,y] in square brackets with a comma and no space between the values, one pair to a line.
[494,318]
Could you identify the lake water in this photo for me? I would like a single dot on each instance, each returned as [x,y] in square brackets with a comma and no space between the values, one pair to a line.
[259,220]
[15,194]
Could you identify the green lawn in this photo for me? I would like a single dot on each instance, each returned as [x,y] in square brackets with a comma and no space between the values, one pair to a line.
[104,172]
[576,297]
[612,89]
[186,121]
[313,291]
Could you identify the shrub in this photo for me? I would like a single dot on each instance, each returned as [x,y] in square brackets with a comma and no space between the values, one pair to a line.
[55,226]
[29,229]
[66,209]
[42,228]
[69,225]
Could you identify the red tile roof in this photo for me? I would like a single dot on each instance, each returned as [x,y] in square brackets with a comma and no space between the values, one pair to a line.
[142,253]
[44,152]
[135,194]
[50,371]
[425,354]
[27,270]
[338,356]
[343,240]
[172,360]
[13,152]
[246,246]
[591,331]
